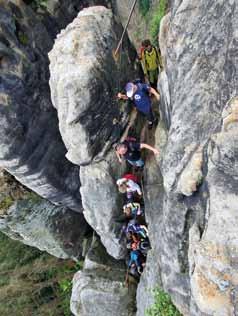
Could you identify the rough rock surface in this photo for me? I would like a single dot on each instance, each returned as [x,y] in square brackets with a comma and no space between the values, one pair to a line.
[31,145]
[85,79]
[102,203]
[99,289]
[197,231]
[36,222]
[214,257]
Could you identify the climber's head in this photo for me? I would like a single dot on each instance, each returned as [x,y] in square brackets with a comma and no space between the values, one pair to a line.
[122,188]
[147,45]
[130,89]
[121,149]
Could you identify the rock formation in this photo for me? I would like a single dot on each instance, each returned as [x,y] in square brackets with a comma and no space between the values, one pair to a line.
[38,223]
[84,82]
[197,225]
[31,145]
[27,217]
[99,289]
[190,190]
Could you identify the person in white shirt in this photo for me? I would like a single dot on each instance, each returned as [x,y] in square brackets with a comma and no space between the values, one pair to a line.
[129,187]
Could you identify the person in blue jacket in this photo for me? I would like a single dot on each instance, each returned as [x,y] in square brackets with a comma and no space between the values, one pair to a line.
[140,94]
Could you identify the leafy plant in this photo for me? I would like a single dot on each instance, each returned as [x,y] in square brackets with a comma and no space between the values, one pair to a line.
[156,19]
[163,305]
[144,6]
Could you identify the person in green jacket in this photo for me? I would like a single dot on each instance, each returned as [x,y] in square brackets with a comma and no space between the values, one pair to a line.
[151,62]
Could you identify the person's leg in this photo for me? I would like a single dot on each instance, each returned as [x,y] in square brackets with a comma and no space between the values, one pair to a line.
[137,163]
[153,78]
[150,118]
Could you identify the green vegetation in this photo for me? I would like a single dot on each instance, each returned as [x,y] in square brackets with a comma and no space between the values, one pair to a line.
[23,39]
[144,6]
[33,283]
[6,203]
[163,305]
[156,19]
[36,4]
[35,198]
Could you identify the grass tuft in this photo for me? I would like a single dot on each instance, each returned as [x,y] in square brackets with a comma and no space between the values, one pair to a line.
[32,282]
[163,305]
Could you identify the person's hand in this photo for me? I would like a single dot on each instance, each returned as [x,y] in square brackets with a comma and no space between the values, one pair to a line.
[119,95]
[156,152]
[158,96]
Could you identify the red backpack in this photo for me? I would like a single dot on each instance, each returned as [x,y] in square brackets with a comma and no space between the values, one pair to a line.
[130,176]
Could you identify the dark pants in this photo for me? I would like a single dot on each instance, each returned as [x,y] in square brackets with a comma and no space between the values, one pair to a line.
[150,116]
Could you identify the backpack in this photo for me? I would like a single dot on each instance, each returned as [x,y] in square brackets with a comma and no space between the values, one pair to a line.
[130,176]
[151,59]
[129,142]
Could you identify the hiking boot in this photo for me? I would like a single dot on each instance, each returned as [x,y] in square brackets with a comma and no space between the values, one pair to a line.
[156,121]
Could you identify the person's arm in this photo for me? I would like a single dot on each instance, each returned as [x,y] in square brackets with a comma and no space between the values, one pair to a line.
[146,146]
[122,96]
[155,93]
[119,157]
[134,186]
[145,229]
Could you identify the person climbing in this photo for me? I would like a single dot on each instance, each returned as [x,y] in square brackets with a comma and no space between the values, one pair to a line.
[131,151]
[135,261]
[133,210]
[140,93]
[151,62]
[129,187]
[137,242]
[135,228]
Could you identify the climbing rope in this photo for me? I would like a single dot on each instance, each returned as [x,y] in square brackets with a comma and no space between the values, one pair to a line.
[125,28]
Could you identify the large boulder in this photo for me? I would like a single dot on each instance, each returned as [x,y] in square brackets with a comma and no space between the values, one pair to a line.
[38,223]
[27,217]
[85,78]
[99,289]
[102,204]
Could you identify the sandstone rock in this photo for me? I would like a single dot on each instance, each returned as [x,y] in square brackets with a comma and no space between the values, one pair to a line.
[199,79]
[215,255]
[84,82]
[192,175]
[40,224]
[99,289]
[230,114]
[102,203]
[31,146]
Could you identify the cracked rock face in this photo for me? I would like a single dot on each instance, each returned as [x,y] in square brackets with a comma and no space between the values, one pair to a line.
[38,223]
[31,146]
[99,289]
[101,202]
[84,82]
[196,231]
[215,256]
